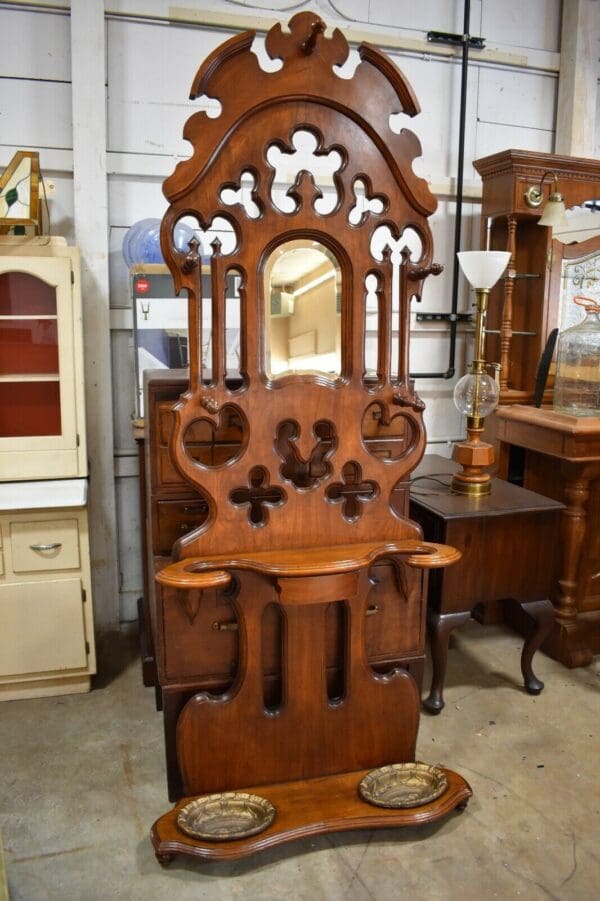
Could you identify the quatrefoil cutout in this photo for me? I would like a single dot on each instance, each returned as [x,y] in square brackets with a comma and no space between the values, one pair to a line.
[257,496]
[300,472]
[386,437]
[353,491]
[211,443]
[243,194]
[305,158]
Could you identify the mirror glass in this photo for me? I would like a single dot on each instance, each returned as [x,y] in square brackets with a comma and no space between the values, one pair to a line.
[303,307]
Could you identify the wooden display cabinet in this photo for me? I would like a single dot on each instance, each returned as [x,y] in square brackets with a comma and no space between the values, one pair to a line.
[524,306]
[46,622]
[552,453]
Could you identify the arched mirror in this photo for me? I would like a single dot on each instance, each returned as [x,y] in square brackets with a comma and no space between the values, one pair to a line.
[302,291]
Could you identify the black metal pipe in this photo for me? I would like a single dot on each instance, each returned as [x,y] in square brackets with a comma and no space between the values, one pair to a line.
[449,373]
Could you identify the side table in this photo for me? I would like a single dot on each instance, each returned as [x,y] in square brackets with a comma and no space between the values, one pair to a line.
[509,545]
[560,456]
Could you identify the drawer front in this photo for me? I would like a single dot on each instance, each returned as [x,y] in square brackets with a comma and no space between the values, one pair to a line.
[177,518]
[198,636]
[44,545]
[166,474]
[42,627]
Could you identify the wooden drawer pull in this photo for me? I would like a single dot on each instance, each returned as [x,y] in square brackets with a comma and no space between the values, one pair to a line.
[46,547]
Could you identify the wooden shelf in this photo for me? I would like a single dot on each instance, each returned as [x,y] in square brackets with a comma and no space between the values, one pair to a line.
[305,808]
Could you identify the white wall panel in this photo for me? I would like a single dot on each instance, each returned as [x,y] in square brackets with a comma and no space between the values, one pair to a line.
[491,138]
[436,84]
[434,15]
[123,388]
[35,45]
[130,199]
[533,23]
[129,546]
[150,72]
[35,113]
[119,274]
[516,98]
[60,202]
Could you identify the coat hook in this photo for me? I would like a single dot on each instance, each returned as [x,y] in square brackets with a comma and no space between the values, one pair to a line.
[192,258]
[317,27]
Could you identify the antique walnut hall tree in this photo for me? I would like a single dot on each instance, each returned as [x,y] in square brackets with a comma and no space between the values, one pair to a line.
[305,468]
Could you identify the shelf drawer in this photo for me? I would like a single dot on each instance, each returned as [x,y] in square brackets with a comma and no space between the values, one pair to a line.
[42,627]
[177,518]
[44,545]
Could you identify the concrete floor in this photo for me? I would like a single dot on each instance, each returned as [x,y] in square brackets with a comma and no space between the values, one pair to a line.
[82,781]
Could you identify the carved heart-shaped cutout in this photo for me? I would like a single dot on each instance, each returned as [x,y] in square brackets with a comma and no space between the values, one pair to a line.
[213,443]
[387,437]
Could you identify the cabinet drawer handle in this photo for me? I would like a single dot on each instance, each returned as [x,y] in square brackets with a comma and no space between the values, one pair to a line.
[45,547]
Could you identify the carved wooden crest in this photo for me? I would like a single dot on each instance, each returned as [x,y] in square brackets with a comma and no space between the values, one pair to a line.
[304,167]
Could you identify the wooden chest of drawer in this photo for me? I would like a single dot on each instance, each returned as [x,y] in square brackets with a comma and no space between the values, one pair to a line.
[175,518]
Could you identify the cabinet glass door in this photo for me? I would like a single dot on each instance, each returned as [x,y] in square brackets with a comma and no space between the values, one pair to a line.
[38,419]
[29,364]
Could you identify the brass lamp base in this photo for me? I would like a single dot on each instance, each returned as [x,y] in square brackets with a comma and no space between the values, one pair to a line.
[473,455]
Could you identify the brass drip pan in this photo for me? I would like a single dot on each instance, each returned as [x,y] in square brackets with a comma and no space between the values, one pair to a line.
[226,816]
[403,785]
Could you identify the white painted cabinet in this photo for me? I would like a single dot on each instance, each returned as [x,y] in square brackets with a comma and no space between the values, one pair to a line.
[46,620]
[42,432]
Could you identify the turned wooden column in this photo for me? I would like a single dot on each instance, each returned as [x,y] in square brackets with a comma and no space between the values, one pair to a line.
[507,307]
[573,528]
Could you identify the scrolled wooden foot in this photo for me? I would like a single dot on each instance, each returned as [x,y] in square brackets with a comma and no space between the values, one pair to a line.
[542,613]
[434,704]
[533,685]
[164,859]
[439,627]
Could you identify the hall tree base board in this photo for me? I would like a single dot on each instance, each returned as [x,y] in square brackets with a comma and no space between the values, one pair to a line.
[306,808]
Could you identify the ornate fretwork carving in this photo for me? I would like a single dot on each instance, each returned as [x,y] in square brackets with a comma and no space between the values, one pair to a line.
[300,472]
[352,492]
[258,496]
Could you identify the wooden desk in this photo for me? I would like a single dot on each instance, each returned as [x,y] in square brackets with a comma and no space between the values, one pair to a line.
[560,457]
[508,540]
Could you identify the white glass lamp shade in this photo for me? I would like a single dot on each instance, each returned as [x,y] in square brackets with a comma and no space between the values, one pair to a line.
[554,212]
[483,268]
[476,394]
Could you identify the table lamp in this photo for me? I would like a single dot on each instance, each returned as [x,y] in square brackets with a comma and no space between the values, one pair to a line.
[476,394]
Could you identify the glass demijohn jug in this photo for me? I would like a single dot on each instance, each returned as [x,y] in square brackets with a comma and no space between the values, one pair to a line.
[577,383]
